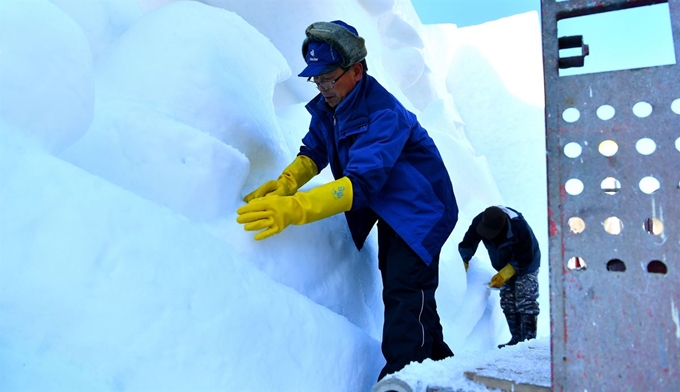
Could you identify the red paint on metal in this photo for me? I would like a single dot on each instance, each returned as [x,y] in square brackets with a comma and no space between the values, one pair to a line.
[552,223]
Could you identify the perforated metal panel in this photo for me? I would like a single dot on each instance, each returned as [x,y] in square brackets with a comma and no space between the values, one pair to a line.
[614,245]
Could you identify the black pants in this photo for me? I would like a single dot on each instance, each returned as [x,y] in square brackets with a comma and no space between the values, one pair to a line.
[412,329]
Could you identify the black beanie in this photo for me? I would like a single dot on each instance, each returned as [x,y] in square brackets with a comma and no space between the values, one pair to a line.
[493,221]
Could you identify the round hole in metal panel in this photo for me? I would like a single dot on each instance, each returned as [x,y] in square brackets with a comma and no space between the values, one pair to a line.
[608,148]
[649,185]
[645,146]
[576,263]
[610,185]
[613,225]
[616,265]
[677,144]
[653,226]
[571,115]
[606,112]
[576,225]
[657,267]
[574,186]
[572,150]
[642,109]
[675,106]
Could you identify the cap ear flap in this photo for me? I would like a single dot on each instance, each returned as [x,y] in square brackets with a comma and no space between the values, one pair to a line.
[305,45]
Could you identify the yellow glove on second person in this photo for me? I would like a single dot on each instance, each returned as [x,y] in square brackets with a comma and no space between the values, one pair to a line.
[502,276]
[291,179]
[274,213]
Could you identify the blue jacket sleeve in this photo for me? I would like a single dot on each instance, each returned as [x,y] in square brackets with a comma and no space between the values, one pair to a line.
[468,246]
[314,146]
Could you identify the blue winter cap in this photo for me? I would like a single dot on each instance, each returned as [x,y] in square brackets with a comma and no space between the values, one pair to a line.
[330,45]
[321,58]
[345,25]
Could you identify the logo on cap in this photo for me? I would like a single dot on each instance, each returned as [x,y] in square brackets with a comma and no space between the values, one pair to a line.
[321,58]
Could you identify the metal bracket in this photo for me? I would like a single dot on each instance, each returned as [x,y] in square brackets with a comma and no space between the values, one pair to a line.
[574,41]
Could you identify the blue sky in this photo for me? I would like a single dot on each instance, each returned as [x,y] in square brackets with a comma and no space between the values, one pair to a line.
[470,12]
[627,39]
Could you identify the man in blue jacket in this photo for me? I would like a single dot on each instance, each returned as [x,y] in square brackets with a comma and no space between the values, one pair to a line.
[514,253]
[387,170]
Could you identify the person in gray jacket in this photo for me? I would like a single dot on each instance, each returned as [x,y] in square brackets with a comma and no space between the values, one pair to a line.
[514,253]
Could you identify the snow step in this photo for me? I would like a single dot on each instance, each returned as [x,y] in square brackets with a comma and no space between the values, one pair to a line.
[501,384]
[394,384]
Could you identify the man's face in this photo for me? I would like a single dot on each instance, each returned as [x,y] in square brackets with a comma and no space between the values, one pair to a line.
[344,83]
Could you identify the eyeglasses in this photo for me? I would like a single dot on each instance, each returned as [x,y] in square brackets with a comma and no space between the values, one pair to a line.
[327,85]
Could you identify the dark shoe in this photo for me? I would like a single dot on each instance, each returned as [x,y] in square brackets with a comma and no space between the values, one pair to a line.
[512,342]
[528,326]
[515,326]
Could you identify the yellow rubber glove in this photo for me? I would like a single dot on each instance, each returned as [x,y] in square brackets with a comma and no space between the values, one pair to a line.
[291,179]
[466,266]
[502,276]
[274,213]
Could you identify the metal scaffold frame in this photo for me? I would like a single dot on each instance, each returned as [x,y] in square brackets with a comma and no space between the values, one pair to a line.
[614,213]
